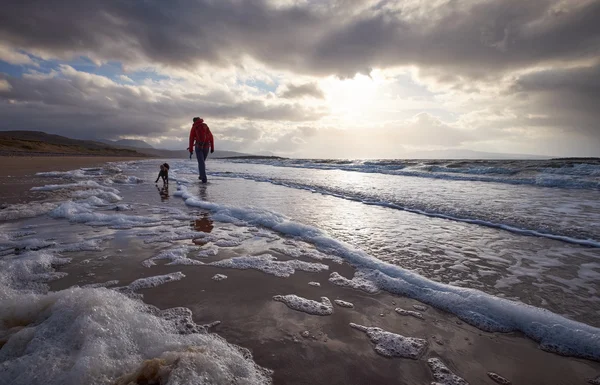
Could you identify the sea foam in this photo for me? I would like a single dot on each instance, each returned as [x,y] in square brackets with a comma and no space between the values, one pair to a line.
[306,305]
[100,337]
[270,265]
[393,345]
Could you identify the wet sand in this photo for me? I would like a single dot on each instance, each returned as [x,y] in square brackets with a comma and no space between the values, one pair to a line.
[334,352]
[16,179]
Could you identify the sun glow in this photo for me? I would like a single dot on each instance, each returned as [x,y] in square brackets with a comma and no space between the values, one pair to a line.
[353,99]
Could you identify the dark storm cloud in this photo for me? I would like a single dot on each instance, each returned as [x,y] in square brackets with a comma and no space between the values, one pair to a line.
[309,89]
[83,105]
[474,38]
[565,98]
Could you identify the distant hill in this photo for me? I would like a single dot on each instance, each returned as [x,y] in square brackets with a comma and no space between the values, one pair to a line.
[126,143]
[41,143]
[37,142]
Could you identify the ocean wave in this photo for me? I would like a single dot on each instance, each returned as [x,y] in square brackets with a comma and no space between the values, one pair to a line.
[552,331]
[420,211]
[559,174]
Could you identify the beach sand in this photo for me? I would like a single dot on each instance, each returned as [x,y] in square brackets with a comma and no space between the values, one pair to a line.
[16,179]
[333,352]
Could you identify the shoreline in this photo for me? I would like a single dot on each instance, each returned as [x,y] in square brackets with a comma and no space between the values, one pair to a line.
[19,176]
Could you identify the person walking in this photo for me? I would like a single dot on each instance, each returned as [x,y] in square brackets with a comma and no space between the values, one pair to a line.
[202,140]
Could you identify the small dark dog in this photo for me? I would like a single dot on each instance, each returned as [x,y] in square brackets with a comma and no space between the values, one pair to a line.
[164,173]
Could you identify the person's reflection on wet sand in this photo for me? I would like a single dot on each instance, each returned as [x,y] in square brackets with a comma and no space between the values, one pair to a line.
[202,193]
[204,223]
[163,192]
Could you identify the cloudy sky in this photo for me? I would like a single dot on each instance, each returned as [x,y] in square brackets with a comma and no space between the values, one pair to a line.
[308,78]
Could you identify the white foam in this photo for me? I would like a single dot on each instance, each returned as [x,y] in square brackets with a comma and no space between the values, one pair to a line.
[393,345]
[210,251]
[306,305]
[124,179]
[177,256]
[552,331]
[270,265]
[498,378]
[228,243]
[101,337]
[148,282]
[28,210]
[102,284]
[28,272]
[63,174]
[316,284]
[413,313]
[78,185]
[355,283]
[84,213]
[301,252]
[442,374]
[219,277]
[107,196]
[28,244]
[420,307]
[341,303]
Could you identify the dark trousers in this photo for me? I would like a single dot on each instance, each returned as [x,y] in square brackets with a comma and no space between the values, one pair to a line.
[201,155]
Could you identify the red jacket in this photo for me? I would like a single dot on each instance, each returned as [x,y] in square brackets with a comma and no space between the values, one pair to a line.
[200,133]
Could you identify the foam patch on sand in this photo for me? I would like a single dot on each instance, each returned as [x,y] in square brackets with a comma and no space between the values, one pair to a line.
[73,174]
[443,375]
[107,196]
[29,272]
[28,210]
[270,265]
[167,235]
[148,282]
[594,381]
[85,172]
[124,179]
[101,337]
[393,345]
[228,243]
[316,284]
[84,213]
[354,283]
[306,305]
[301,252]
[499,379]
[413,313]
[554,332]
[341,303]
[206,252]
[87,184]
[177,256]
[101,284]
[219,277]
